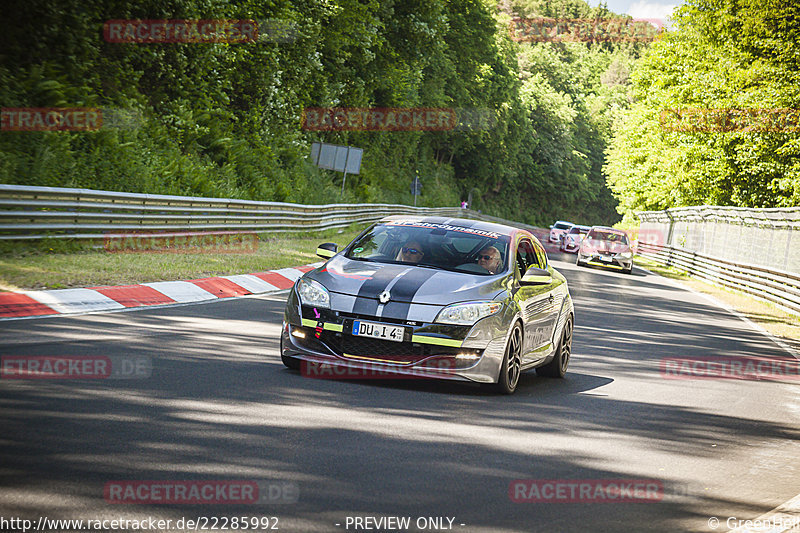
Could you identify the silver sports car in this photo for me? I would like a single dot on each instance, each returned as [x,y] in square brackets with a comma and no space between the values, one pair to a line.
[433,297]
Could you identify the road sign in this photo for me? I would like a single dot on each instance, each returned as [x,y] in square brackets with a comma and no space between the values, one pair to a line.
[345,159]
[339,158]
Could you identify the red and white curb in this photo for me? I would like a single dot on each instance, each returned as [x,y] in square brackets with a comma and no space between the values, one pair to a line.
[26,304]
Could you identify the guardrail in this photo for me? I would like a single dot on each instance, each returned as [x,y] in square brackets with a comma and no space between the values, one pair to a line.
[28,212]
[781,288]
[768,238]
[750,250]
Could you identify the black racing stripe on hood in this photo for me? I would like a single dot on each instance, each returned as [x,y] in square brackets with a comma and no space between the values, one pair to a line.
[367,298]
[403,293]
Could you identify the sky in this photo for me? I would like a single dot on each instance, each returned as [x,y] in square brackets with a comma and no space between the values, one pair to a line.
[644,9]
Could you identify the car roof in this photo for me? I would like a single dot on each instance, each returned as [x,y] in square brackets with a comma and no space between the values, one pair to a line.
[456,223]
[612,230]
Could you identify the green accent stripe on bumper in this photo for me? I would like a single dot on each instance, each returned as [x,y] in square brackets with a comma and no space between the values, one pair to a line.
[609,265]
[422,339]
[307,322]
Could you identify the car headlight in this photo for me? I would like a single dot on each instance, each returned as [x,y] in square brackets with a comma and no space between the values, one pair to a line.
[467,314]
[313,293]
[625,255]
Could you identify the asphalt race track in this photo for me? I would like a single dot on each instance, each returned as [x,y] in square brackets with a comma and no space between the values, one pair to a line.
[218,404]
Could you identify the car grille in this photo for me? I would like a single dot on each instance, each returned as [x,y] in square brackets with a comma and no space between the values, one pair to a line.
[387,351]
[400,352]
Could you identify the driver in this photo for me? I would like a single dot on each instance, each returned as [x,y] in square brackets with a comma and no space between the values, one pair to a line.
[489,258]
[411,252]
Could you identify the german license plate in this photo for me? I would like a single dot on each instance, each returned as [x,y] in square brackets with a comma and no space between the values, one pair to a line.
[378,331]
[605,258]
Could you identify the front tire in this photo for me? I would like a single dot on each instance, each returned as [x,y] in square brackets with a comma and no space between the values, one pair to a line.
[290,362]
[558,366]
[512,362]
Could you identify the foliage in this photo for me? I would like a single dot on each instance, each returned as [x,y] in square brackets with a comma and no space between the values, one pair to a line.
[216,119]
[723,54]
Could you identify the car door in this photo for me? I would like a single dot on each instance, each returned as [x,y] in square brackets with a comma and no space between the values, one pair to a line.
[535,303]
[557,295]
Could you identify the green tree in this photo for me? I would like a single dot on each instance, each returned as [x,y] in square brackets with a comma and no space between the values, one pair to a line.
[722,54]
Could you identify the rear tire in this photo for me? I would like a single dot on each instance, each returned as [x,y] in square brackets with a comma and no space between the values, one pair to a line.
[512,362]
[558,366]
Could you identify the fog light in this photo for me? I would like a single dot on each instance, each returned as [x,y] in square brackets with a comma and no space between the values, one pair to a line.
[299,334]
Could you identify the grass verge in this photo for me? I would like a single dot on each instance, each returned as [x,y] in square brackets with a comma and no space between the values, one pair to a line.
[783,325]
[60,265]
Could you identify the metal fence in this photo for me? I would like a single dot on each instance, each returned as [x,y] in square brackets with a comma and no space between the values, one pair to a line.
[753,250]
[28,212]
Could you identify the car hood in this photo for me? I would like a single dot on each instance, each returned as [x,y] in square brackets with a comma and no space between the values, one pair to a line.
[405,283]
[610,247]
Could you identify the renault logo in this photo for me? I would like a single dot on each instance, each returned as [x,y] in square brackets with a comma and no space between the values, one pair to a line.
[384,297]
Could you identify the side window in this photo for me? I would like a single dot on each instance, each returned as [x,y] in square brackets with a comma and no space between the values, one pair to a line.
[526,257]
[541,256]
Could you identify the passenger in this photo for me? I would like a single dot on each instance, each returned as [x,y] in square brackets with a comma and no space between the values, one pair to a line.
[489,258]
[411,252]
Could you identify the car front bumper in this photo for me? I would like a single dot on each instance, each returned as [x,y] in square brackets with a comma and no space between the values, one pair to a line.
[437,351]
[612,261]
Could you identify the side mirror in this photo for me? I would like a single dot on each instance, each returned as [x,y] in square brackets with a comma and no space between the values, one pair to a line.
[536,276]
[326,250]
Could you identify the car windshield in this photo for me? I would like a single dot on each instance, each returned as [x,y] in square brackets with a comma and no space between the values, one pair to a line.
[434,246]
[576,230]
[609,236]
[562,225]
